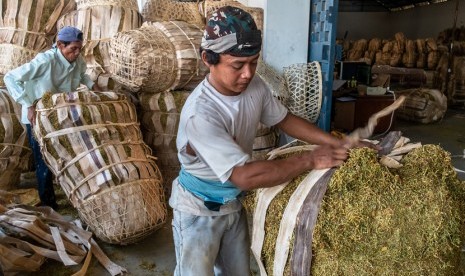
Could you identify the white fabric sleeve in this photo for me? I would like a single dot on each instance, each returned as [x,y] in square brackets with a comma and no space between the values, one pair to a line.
[214,146]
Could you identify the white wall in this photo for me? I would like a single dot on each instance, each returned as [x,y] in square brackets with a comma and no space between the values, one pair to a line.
[419,22]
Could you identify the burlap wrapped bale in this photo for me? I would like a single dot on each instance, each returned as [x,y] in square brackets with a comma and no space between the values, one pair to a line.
[100,20]
[158,56]
[422,105]
[92,143]
[160,121]
[28,27]
[368,220]
[358,50]
[14,148]
[409,58]
[166,10]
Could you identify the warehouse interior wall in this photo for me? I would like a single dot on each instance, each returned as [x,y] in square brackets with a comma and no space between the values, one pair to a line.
[419,22]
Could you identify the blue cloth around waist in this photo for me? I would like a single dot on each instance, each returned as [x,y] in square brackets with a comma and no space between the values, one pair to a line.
[208,190]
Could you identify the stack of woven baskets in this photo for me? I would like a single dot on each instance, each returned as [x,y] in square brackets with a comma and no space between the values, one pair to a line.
[28,27]
[160,114]
[100,20]
[14,150]
[194,12]
[93,144]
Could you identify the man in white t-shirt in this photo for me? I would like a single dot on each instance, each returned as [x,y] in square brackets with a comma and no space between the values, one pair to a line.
[215,138]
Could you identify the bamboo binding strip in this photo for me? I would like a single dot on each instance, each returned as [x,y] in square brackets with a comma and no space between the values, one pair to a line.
[166,10]
[157,57]
[93,144]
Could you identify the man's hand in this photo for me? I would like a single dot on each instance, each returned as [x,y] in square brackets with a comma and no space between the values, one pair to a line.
[31,114]
[97,88]
[326,156]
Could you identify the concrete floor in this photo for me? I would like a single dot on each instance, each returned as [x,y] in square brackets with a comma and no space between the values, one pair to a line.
[155,254]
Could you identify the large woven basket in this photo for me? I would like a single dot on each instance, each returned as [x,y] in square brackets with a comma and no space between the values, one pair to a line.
[26,28]
[165,10]
[157,57]
[160,121]
[207,8]
[14,150]
[100,20]
[93,144]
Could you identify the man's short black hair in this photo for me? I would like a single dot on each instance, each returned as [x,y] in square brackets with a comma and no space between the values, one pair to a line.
[212,57]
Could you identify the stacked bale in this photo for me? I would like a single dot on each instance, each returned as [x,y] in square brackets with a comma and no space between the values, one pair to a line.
[422,53]
[367,220]
[27,28]
[14,150]
[358,50]
[422,105]
[93,144]
[157,57]
[165,10]
[100,20]
[433,54]
[373,48]
[458,79]
[160,114]
[409,57]
[207,7]
[266,139]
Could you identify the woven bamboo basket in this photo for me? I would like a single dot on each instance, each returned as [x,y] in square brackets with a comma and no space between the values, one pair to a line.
[92,143]
[160,121]
[14,149]
[274,80]
[207,7]
[26,28]
[157,57]
[166,10]
[304,82]
[422,105]
[100,20]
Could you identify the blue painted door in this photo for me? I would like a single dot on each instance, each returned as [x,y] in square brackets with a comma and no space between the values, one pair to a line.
[323,23]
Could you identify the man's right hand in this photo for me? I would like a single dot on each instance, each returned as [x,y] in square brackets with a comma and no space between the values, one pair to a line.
[31,114]
[326,156]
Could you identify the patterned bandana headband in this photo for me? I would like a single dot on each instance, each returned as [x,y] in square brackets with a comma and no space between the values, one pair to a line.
[233,31]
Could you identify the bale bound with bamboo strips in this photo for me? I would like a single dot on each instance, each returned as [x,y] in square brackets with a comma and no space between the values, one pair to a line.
[304,82]
[166,10]
[363,218]
[207,7]
[14,148]
[27,28]
[266,139]
[160,121]
[157,57]
[99,21]
[92,143]
[422,105]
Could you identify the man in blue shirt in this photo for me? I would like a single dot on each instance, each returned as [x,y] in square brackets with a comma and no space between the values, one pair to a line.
[60,69]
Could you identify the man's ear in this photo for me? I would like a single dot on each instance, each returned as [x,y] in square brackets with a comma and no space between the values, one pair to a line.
[204,59]
[60,44]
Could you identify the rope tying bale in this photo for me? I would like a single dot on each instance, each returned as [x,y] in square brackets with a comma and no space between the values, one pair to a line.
[26,28]
[304,82]
[14,148]
[99,21]
[93,144]
[157,57]
[160,121]
[369,220]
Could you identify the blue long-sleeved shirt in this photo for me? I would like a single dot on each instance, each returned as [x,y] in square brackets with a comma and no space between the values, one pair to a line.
[47,72]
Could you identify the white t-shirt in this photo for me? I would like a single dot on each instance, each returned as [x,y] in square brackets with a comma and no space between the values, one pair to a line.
[221,129]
